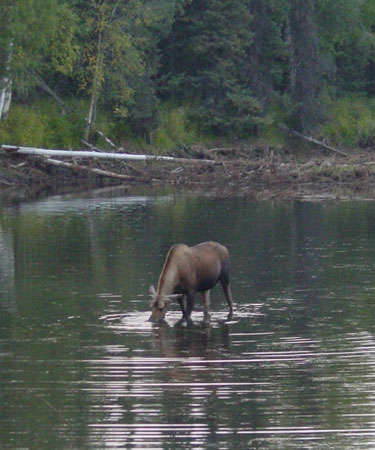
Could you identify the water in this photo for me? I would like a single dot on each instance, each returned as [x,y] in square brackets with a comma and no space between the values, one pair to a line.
[82,368]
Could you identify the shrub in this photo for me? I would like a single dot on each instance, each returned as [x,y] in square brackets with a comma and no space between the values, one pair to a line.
[42,125]
[352,122]
[174,128]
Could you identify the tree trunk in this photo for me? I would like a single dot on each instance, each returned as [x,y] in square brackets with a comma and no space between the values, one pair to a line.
[95,88]
[292,59]
[306,64]
[98,155]
[6,86]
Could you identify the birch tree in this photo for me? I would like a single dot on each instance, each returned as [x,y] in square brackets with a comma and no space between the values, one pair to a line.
[37,37]
[110,52]
[120,50]
[6,83]
[6,51]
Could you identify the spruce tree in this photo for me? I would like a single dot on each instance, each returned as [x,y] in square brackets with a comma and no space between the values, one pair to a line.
[203,60]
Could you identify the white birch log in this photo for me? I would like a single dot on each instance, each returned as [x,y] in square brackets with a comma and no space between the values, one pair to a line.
[89,154]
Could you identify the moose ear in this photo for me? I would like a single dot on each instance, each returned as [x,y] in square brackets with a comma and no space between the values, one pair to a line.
[152,290]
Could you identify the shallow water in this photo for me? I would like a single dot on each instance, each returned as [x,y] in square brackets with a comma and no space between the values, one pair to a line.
[81,367]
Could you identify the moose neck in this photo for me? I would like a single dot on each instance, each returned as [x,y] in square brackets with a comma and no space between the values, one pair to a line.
[167,282]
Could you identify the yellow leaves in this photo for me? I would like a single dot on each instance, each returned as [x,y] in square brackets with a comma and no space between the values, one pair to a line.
[121,111]
[83,84]
[63,52]
[19,53]
[114,51]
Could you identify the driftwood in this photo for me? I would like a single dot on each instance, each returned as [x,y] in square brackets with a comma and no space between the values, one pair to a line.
[221,150]
[106,138]
[88,170]
[48,157]
[312,140]
[125,164]
[91,146]
[99,155]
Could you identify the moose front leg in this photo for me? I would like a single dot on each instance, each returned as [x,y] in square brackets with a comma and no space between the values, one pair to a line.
[189,305]
[206,304]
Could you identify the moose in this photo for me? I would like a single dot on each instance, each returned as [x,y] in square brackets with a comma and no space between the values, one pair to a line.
[188,270]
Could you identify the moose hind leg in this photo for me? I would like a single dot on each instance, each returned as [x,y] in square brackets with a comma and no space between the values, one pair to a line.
[228,294]
[181,301]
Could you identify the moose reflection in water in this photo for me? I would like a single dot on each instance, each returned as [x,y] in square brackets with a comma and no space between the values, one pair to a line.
[192,340]
[188,270]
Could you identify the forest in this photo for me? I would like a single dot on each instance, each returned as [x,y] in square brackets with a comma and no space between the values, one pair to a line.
[169,73]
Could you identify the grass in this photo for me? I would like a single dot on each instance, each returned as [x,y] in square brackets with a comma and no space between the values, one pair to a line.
[42,125]
[174,128]
[352,122]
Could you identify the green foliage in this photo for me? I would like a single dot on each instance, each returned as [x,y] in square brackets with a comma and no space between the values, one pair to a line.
[267,60]
[174,128]
[43,125]
[234,68]
[202,61]
[233,115]
[38,35]
[30,133]
[352,122]
[120,57]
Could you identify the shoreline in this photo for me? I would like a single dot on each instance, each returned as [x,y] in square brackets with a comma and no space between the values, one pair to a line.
[268,175]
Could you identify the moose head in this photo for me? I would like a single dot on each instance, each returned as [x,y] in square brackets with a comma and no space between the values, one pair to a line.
[160,304]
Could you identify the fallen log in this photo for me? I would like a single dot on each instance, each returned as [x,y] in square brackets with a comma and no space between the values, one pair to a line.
[50,91]
[104,155]
[125,164]
[100,133]
[92,147]
[88,170]
[311,140]
[221,150]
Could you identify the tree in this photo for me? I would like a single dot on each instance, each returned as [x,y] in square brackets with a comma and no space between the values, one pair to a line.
[368,15]
[6,80]
[119,55]
[266,64]
[34,39]
[306,64]
[202,63]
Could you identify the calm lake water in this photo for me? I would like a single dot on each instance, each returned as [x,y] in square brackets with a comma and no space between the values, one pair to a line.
[80,366]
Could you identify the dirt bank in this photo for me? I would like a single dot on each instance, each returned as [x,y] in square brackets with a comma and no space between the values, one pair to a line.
[259,173]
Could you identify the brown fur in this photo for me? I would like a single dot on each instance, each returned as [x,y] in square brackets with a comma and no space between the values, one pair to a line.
[188,270]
